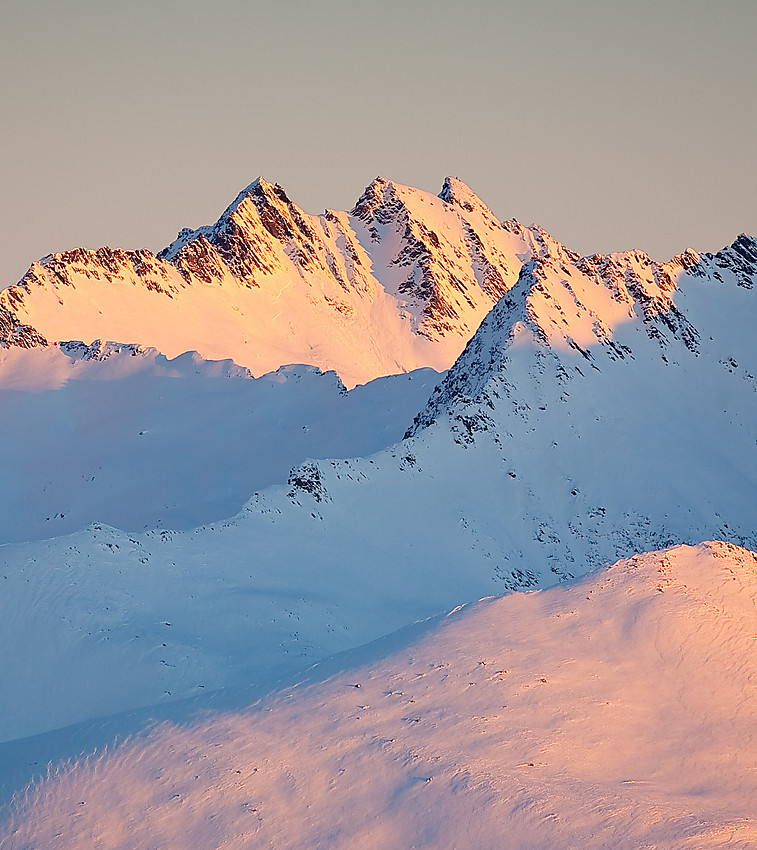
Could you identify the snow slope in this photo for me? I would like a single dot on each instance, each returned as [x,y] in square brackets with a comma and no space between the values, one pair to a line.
[616,711]
[121,435]
[605,407]
[399,283]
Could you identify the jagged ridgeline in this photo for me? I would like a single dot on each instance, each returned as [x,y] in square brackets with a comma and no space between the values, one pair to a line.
[401,281]
[605,406]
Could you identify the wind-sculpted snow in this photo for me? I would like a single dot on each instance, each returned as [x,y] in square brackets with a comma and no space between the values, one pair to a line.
[618,711]
[606,406]
[400,283]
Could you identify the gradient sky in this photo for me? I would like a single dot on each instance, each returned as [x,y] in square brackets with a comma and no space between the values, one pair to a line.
[613,125]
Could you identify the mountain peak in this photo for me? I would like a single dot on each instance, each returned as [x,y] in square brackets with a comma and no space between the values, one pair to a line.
[258,184]
[454,191]
[259,189]
[375,195]
[261,192]
[432,265]
[568,308]
[740,257]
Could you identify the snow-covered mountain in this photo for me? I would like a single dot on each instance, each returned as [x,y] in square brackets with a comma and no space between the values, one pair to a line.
[618,711]
[605,309]
[400,282]
[605,407]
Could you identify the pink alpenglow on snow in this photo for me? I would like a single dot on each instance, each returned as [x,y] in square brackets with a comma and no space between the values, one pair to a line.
[618,711]
[401,281]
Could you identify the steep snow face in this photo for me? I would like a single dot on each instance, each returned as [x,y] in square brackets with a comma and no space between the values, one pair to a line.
[444,258]
[122,435]
[605,407]
[618,711]
[609,310]
[400,283]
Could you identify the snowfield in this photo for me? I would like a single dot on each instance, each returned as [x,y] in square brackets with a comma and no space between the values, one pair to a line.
[124,436]
[181,542]
[616,711]
[399,283]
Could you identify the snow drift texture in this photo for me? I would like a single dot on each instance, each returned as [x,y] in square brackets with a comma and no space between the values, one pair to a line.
[616,712]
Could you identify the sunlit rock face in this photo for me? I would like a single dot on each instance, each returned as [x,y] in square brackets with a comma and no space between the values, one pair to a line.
[400,282]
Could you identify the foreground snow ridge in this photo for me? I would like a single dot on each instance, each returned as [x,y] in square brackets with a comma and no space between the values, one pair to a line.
[616,711]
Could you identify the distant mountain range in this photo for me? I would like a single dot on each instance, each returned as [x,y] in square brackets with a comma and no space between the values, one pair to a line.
[401,281]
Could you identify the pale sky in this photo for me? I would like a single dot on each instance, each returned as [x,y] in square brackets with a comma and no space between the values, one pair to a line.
[613,125]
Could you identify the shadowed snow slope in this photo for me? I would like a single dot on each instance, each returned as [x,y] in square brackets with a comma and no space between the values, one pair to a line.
[618,711]
[121,435]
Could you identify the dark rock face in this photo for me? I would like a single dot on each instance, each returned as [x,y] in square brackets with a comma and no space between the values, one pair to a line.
[432,283]
[200,259]
[245,254]
[98,350]
[739,258]
[307,479]
[12,331]
[660,314]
